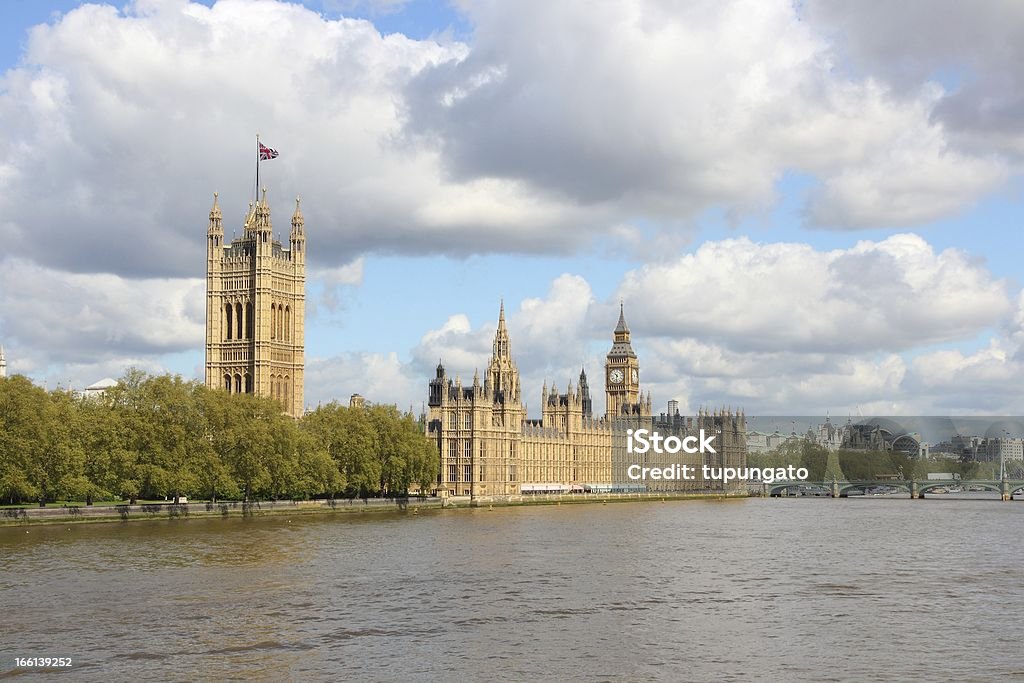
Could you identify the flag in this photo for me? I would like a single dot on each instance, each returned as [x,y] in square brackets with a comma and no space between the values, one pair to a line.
[267,153]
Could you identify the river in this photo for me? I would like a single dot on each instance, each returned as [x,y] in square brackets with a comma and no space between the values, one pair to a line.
[781,589]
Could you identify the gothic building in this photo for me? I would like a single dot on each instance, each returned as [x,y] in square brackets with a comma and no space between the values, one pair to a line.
[255,306]
[488,446]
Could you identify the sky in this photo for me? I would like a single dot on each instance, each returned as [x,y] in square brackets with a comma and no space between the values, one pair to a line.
[804,207]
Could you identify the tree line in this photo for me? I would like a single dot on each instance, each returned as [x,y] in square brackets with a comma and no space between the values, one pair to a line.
[154,437]
[858,465]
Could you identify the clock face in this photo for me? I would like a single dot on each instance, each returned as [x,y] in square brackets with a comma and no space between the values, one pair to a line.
[616,376]
[635,376]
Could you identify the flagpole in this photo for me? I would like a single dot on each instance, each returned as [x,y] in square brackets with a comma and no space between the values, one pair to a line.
[257,192]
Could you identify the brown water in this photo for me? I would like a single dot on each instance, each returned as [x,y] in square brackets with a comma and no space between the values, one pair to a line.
[800,589]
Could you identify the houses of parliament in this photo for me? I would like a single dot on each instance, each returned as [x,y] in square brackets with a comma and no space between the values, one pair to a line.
[255,310]
[489,447]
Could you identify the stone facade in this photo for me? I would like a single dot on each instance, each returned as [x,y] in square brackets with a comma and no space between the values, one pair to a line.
[255,308]
[488,447]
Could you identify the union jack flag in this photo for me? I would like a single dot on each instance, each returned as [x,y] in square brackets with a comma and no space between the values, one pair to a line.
[267,153]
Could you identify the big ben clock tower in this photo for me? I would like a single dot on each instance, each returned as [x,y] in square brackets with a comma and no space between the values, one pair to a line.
[622,374]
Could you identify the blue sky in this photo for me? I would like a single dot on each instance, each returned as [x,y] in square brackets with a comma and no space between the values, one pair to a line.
[801,212]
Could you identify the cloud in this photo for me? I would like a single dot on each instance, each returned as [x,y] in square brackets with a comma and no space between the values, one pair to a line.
[379,377]
[977,48]
[890,295]
[76,318]
[120,124]
[553,128]
[664,110]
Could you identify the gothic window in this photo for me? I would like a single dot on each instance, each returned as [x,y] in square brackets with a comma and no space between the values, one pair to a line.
[481,469]
[280,321]
[227,383]
[469,421]
[285,390]
[238,384]
[453,446]
[248,383]
[248,320]
[453,473]
[511,472]
[238,320]
[228,310]
[467,450]
[273,321]
[287,323]
[467,473]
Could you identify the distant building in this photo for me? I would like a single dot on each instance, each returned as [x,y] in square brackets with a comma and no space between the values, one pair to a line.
[3,362]
[98,389]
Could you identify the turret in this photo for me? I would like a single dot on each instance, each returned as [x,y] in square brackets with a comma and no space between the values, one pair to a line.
[215,230]
[297,238]
[588,409]
[437,387]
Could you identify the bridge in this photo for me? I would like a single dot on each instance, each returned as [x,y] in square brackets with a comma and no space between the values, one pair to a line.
[1008,489]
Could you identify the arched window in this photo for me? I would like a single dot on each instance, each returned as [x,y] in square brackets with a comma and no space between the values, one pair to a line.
[248,321]
[287,324]
[280,321]
[273,321]
[238,384]
[228,310]
[227,383]
[285,392]
[238,321]
[248,383]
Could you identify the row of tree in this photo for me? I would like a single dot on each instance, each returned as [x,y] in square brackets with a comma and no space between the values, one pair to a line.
[151,437]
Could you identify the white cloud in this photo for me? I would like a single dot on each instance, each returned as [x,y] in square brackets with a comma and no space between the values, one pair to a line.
[68,317]
[892,295]
[665,109]
[119,124]
[378,377]
[977,48]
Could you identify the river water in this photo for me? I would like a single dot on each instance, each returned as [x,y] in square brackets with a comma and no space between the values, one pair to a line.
[780,589]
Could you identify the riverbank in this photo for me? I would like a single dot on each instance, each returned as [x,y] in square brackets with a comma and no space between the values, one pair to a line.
[412,505]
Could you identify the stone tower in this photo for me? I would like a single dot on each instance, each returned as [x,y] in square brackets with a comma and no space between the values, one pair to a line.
[255,308]
[622,375]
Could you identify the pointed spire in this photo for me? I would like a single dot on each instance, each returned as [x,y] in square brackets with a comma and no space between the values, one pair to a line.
[297,219]
[476,378]
[501,342]
[622,327]
[216,226]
